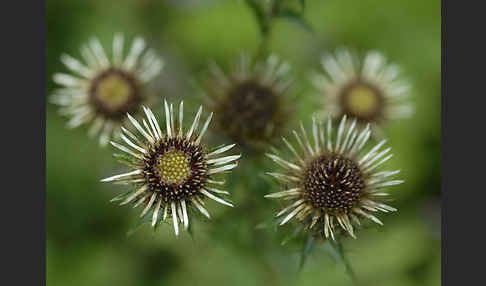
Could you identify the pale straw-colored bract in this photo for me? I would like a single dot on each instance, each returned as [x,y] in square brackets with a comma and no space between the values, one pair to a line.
[345,72]
[346,145]
[172,198]
[75,97]
[273,72]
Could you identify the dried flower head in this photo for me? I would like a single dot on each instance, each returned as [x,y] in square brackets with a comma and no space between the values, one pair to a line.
[103,91]
[331,183]
[249,103]
[371,92]
[172,171]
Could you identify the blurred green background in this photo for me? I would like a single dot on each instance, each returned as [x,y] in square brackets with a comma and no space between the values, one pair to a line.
[87,242]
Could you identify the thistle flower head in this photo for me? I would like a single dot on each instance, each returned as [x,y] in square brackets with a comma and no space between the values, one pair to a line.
[331,183]
[249,103]
[371,91]
[101,90]
[172,171]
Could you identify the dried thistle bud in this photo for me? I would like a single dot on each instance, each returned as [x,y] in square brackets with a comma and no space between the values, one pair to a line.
[330,183]
[250,103]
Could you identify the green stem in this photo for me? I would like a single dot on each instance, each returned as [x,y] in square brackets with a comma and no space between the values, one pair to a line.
[263,47]
[344,259]
[306,249]
[264,19]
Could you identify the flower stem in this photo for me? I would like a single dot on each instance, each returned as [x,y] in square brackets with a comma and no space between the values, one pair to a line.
[342,255]
[264,18]
[263,47]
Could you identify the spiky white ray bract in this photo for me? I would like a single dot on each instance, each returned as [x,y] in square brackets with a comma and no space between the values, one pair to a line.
[150,134]
[74,97]
[349,144]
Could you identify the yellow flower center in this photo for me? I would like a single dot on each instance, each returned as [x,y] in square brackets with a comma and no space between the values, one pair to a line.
[362,101]
[114,91]
[174,167]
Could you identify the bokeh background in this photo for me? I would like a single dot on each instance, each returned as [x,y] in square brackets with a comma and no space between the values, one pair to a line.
[87,240]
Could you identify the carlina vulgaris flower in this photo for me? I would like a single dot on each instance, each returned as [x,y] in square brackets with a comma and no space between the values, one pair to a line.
[372,90]
[332,182]
[250,102]
[102,91]
[173,173]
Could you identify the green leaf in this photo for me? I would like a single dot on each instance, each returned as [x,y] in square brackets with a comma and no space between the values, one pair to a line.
[302,4]
[159,219]
[215,148]
[306,250]
[126,159]
[329,247]
[122,196]
[274,150]
[272,182]
[138,224]
[190,231]
[262,225]
[338,251]
[292,235]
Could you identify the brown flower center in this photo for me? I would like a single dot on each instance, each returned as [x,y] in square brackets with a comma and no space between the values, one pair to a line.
[250,112]
[333,183]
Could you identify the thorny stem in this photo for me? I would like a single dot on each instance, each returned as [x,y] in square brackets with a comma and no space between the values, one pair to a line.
[349,270]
